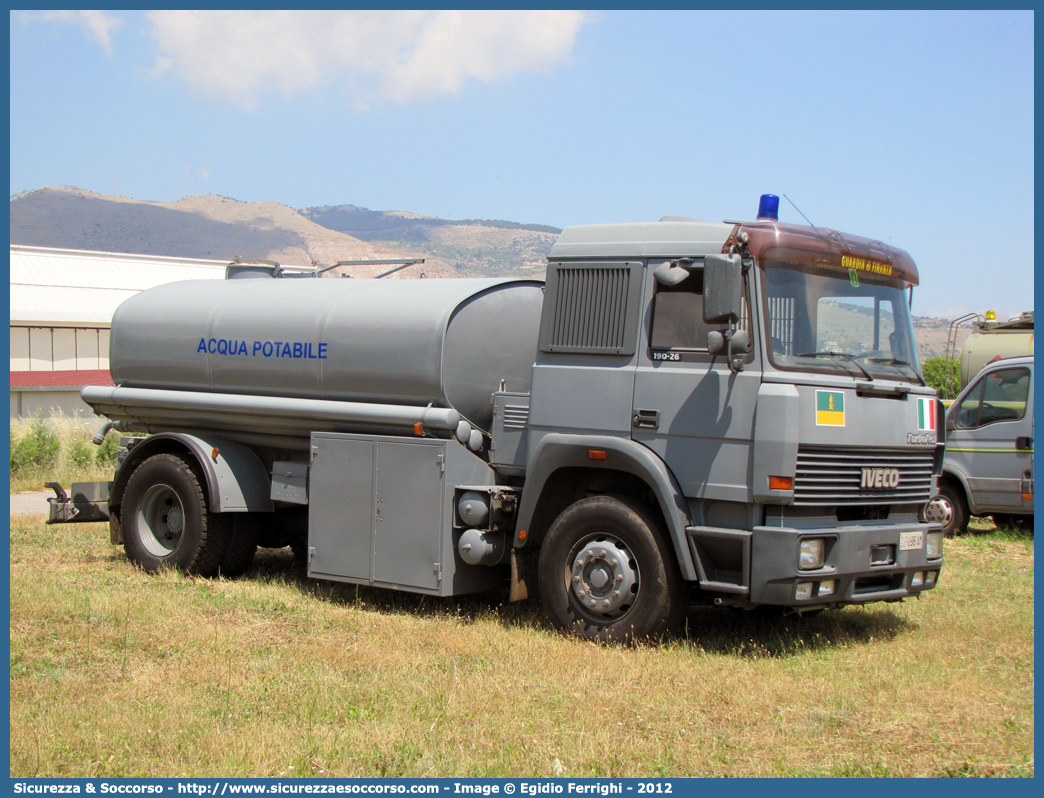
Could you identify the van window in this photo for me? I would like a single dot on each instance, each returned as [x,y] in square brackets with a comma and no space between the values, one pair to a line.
[999,396]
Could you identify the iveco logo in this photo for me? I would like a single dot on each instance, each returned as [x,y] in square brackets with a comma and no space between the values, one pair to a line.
[880,478]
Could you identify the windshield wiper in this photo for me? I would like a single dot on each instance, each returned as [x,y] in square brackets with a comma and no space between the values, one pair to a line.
[891,361]
[851,359]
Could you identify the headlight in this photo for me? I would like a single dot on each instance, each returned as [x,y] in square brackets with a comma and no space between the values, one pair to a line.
[804,590]
[933,549]
[812,552]
[917,579]
[826,588]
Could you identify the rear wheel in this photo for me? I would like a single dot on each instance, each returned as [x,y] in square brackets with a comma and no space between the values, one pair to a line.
[242,543]
[607,573]
[166,523]
[950,509]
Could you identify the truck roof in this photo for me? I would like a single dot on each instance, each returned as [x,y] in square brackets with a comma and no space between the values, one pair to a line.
[674,237]
[671,237]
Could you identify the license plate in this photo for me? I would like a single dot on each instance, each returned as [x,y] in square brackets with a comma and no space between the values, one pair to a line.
[911,541]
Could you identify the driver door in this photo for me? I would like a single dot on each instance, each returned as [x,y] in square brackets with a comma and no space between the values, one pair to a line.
[992,441]
[689,407]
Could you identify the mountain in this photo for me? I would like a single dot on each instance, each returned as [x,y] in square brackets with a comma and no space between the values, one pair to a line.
[220,228]
[472,247]
[931,336]
[842,325]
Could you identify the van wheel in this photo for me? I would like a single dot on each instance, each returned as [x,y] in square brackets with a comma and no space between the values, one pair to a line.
[950,509]
[166,523]
[607,573]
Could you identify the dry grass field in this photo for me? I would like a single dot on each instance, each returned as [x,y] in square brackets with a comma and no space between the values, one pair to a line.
[116,673]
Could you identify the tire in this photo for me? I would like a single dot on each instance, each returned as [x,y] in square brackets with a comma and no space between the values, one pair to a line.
[242,544]
[600,542]
[166,523]
[950,509]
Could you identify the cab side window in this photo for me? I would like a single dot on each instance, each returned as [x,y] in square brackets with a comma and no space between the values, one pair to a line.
[677,321]
[678,315]
[999,396]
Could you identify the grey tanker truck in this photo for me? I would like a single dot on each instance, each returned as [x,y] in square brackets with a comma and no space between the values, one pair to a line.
[683,412]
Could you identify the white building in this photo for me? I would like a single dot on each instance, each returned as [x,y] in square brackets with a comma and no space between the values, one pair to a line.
[62,302]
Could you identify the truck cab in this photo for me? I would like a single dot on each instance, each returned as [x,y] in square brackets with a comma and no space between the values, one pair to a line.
[788,444]
[988,469]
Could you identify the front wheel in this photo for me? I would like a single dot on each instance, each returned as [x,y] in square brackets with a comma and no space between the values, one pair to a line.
[606,572]
[950,509]
[166,522]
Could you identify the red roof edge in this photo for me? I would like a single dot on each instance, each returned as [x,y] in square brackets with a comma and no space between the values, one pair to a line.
[26,379]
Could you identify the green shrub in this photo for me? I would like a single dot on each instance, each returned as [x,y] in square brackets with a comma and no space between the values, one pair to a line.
[110,447]
[81,453]
[943,374]
[37,450]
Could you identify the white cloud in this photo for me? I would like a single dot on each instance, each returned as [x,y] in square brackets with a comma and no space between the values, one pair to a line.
[96,24]
[398,55]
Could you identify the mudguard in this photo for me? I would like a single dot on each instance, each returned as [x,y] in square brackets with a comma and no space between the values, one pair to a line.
[559,450]
[961,479]
[237,480]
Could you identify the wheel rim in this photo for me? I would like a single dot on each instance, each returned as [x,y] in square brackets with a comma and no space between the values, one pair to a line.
[603,577]
[939,511]
[161,520]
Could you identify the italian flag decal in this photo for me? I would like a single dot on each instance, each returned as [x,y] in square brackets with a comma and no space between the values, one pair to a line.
[830,408]
[926,414]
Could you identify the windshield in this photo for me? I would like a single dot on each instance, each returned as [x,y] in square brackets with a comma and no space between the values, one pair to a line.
[825,319]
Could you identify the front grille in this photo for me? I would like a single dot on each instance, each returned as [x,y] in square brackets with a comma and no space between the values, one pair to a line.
[832,475]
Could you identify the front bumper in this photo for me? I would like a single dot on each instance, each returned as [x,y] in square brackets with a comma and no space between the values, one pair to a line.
[865,563]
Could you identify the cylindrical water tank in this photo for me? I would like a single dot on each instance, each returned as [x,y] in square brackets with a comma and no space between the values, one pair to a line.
[981,348]
[449,343]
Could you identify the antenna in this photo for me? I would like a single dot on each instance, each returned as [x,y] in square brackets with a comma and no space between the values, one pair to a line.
[796,208]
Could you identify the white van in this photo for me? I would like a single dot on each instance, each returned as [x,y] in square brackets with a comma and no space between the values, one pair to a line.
[988,467]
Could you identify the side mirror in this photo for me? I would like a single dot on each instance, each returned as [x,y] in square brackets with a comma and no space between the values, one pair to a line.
[716,343]
[951,424]
[670,273]
[725,342]
[722,289]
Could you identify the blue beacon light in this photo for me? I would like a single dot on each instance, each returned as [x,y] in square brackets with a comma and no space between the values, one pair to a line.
[768,208]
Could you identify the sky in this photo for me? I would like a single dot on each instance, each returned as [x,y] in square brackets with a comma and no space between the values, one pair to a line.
[912,128]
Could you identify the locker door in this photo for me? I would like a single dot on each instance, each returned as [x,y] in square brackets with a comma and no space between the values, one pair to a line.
[341,508]
[408,515]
